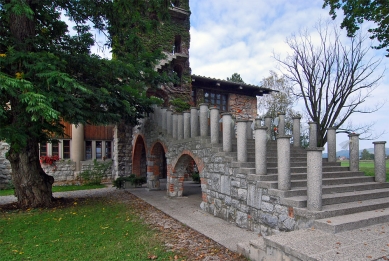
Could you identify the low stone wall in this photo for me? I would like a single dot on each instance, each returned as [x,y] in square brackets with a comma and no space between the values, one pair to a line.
[5,166]
[61,170]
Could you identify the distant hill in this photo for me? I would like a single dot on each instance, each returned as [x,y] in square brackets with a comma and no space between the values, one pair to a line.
[345,153]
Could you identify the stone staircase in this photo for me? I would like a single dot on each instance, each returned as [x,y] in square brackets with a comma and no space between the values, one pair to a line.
[351,200]
[169,57]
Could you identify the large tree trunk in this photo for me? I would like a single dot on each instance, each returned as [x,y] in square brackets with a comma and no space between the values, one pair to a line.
[33,187]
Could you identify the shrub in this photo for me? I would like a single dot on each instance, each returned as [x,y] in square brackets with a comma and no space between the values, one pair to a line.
[132,179]
[196,177]
[95,173]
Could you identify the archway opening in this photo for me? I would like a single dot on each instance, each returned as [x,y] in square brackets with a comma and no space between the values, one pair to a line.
[139,162]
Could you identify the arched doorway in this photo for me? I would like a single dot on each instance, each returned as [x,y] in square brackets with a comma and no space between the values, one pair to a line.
[139,161]
[180,179]
[157,167]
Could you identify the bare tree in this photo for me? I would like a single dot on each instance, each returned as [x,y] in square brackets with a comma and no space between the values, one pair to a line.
[333,77]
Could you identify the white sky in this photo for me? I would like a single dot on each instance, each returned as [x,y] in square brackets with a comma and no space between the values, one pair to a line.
[229,36]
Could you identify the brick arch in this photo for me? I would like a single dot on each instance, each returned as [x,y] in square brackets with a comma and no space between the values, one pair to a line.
[157,160]
[139,160]
[177,171]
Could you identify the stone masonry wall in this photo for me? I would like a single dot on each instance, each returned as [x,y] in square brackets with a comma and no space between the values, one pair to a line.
[226,193]
[5,166]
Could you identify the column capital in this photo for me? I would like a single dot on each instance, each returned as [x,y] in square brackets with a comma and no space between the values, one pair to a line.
[332,128]
[314,149]
[296,117]
[379,142]
[353,135]
[260,128]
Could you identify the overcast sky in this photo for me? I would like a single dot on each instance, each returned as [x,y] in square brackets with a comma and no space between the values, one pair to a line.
[229,36]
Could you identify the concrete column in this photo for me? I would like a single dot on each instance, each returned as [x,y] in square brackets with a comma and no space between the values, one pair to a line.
[152,115]
[268,125]
[260,150]
[175,125]
[296,131]
[163,112]
[331,144]
[258,123]
[180,126]
[227,132]
[312,134]
[249,130]
[186,124]
[194,122]
[169,121]
[203,119]
[379,161]
[354,152]
[314,178]
[214,117]
[241,136]
[77,146]
[283,160]
[281,124]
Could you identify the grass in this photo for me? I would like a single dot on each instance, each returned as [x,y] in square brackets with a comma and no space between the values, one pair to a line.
[7,192]
[367,166]
[88,230]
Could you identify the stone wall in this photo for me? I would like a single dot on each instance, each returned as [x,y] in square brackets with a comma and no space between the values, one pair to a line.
[243,107]
[5,166]
[61,170]
[226,192]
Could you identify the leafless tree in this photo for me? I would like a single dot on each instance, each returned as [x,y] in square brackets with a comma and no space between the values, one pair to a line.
[334,77]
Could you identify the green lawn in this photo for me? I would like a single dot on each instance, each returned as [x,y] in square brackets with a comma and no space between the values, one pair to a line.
[367,166]
[8,192]
[88,230]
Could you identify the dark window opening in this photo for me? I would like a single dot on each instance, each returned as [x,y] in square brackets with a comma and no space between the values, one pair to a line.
[43,149]
[54,149]
[216,99]
[66,149]
[99,150]
[88,150]
[176,3]
[108,149]
[177,44]
[178,70]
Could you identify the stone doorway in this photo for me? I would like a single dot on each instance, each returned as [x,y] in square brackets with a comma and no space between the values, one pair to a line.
[139,161]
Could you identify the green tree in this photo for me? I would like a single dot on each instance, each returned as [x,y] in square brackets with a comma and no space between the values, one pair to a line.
[358,11]
[366,155]
[48,75]
[235,77]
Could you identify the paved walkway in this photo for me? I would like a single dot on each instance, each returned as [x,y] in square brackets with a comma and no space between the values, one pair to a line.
[187,211]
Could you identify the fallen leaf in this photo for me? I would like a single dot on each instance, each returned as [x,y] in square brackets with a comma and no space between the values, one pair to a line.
[369,256]
[152,257]
[328,221]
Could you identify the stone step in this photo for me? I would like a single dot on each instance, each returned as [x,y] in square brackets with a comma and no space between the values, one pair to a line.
[352,221]
[329,189]
[326,182]
[337,198]
[343,208]
[326,175]
[304,169]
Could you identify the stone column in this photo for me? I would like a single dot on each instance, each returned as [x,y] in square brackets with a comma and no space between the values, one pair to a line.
[314,178]
[175,125]
[283,160]
[258,123]
[77,146]
[152,115]
[296,131]
[159,116]
[163,112]
[241,135]
[379,161]
[180,126]
[354,152]
[169,121]
[260,150]
[186,124]
[194,122]
[268,125]
[281,124]
[203,119]
[152,180]
[227,132]
[312,134]
[331,144]
[249,130]
[214,117]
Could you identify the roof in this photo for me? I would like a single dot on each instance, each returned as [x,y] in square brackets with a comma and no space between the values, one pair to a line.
[229,86]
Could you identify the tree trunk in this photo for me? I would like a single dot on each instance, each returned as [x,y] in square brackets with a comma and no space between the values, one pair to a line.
[33,187]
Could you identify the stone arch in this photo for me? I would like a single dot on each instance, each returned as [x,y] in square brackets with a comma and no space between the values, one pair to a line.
[177,171]
[139,159]
[156,165]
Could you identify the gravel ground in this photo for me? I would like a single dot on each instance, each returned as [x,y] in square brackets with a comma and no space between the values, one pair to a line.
[187,243]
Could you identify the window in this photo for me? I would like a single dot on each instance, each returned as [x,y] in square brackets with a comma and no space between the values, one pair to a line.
[54,149]
[99,150]
[88,149]
[66,149]
[176,3]
[108,149]
[177,44]
[43,149]
[218,99]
